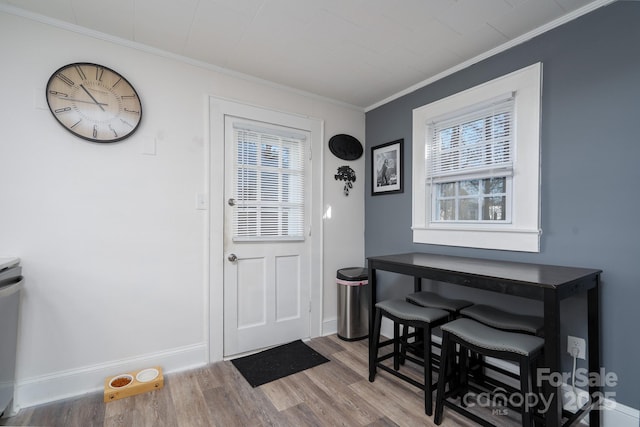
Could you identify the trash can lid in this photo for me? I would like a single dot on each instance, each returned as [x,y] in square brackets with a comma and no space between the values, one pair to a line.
[353,273]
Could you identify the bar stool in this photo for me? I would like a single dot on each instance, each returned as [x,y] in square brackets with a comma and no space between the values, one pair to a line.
[404,313]
[507,321]
[473,336]
[434,300]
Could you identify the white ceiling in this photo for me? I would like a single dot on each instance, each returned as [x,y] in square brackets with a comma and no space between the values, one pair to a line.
[359,52]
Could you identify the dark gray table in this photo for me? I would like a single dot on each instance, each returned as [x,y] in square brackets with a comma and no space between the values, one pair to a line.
[547,283]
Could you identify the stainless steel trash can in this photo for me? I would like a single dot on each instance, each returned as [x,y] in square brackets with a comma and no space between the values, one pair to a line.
[353,303]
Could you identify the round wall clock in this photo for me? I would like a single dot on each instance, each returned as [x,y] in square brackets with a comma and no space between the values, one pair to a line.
[94,102]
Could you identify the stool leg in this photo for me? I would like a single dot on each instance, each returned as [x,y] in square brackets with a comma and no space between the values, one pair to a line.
[536,388]
[428,385]
[373,352]
[525,371]
[396,345]
[464,375]
[476,365]
[445,357]
[404,343]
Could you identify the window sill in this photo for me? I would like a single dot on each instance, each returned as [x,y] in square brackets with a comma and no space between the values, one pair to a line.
[506,239]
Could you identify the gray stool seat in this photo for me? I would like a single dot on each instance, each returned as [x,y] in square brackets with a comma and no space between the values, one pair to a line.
[505,320]
[406,311]
[432,299]
[490,338]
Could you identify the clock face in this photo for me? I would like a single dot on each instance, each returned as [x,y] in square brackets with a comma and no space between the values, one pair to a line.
[94,102]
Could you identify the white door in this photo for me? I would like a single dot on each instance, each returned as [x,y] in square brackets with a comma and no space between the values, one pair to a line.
[266,243]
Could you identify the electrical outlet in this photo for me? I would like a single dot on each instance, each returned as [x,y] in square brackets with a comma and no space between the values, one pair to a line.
[578,344]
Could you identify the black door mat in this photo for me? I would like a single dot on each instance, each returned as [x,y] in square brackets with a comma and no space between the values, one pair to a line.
[277,362]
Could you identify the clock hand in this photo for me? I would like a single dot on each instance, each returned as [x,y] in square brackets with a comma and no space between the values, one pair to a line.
[94,90]
[80,100]
[91,96]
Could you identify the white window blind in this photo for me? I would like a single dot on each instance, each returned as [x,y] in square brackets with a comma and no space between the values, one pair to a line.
[475,143]
[269,183]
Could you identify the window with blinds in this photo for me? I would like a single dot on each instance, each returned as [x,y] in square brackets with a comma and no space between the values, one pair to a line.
[476,176]
[469,162]
[269,183]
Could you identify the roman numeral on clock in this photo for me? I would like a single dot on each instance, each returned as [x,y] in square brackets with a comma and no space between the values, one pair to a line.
[81,73]
[65,79]
[99,73]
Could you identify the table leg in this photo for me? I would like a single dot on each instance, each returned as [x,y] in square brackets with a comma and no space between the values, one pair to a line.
[550,387]
[593,334]
[372,303]
[418,350]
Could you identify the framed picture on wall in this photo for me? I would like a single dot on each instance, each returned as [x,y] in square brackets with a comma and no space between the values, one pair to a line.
[387,169]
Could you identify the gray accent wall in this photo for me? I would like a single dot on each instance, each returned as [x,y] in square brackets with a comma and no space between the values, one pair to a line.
[590,164]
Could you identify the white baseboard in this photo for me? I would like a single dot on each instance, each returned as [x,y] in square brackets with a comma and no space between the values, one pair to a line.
[76,382]
[620,416]
[329,327]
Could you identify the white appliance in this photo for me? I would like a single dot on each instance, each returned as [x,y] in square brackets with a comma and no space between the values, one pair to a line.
[11,283]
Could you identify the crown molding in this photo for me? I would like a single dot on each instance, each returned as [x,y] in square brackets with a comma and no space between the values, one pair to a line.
[503,47]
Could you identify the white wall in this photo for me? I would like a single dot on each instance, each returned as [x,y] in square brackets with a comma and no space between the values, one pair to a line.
[113,249]
[344,229]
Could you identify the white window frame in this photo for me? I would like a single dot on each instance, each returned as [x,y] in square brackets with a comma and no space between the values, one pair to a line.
[523,232]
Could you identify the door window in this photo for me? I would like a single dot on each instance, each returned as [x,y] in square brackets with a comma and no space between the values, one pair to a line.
[269,182]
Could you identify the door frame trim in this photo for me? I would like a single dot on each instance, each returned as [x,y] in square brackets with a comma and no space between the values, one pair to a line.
[217,108]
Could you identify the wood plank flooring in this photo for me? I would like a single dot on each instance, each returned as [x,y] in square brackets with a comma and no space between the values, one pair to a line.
[337,393]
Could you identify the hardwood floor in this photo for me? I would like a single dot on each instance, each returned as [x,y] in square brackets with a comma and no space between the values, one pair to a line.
[337,393]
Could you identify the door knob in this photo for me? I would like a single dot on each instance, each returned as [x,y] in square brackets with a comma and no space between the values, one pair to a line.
[232,258]
[231,202]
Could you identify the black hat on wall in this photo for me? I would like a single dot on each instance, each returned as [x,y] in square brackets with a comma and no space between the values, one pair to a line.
[345,147]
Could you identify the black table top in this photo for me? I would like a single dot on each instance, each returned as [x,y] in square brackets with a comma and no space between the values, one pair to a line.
[541,275]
